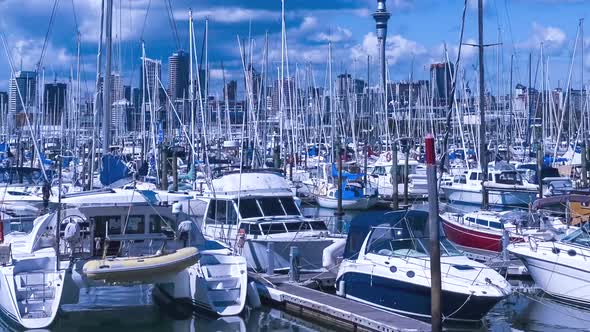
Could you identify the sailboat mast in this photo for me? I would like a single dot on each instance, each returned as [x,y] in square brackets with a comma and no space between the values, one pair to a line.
[482,119]
[106,89]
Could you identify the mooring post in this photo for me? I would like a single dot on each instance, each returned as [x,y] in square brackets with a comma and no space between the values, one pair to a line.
[294,264]
[393,172]
[539,169]
[270,259]
[436,287]
[174,170]
[164,157]
[505,243]
[406,177]
[339,212]
[584,170]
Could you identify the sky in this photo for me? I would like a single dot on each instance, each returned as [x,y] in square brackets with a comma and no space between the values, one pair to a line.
[418,32]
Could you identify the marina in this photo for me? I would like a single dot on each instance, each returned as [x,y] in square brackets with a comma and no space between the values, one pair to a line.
[298,177]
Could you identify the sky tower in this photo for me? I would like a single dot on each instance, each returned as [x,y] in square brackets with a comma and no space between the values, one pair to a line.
[381,17]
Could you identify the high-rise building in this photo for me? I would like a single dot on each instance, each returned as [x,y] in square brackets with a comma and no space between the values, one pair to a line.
[149,79]
[56,95]
[117,90]
[23,84]
[127,92]
[287,91]
[440,82]
[230,91]
[3,102]
[178,75]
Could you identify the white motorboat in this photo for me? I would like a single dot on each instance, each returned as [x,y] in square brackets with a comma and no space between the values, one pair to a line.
[380,177]
[387,264]
[505,188]
[256,213]
[560,268]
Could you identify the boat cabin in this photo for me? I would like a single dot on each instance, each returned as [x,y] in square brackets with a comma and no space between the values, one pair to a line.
[475,177]
[262,215]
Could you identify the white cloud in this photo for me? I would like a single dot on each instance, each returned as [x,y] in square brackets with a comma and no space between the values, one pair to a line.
[28,52]
[337,35]
[230,14]
[218,74]
[551,37]
[397,48]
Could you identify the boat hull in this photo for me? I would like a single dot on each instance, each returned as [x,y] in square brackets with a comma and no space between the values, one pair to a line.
[497,198]
[363,203]
[470,238]
[413,299]
[556,274]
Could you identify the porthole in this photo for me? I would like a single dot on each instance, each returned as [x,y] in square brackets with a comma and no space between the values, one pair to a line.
[410,274]
[393,269]
[571,252]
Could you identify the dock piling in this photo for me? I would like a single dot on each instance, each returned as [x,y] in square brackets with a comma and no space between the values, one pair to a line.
[294,264]
[270,260]
[435,274]
[394,195]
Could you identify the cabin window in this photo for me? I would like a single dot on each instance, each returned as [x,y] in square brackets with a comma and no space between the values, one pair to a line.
[161,224]
[221,212]
[251,228]
[290,206]
[249,208]
[379,170]
[480,176]
[318,225]
[297,226]
[273,228]
[271,206]
[496,225]
[460,179]
[473,176]
[135,225]
[508,178]
[482,222]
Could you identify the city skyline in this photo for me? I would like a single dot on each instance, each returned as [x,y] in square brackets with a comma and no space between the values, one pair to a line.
[412,46]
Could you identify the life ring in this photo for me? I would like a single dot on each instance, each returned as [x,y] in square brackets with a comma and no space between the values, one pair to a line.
[388,156]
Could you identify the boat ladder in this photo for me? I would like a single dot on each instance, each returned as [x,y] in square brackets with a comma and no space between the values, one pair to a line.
[37,292]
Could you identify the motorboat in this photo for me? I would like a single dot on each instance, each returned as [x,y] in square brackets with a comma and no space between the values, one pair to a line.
[484,230]
[256,213]
[113,246]
[560,268]
[380,177]
[387,265]
[505,187]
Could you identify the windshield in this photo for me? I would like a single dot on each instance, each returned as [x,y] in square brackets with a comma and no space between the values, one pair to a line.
[580,237]
[407,238]
[267,207]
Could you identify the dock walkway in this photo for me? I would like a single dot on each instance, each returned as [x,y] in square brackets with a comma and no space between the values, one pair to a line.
[331,309]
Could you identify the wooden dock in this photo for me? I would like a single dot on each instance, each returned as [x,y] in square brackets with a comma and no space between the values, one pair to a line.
[330,309]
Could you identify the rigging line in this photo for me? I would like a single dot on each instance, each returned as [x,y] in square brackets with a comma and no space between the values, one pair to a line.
[47,33]
[75,17]
[453,88]
[172,22]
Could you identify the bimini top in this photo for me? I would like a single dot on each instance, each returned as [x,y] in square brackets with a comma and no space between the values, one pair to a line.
[252,183]
[360,226]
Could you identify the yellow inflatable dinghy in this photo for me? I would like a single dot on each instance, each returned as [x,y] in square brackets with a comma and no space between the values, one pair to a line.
[140,269]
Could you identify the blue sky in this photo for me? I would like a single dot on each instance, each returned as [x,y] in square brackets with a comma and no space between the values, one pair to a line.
[418,29]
